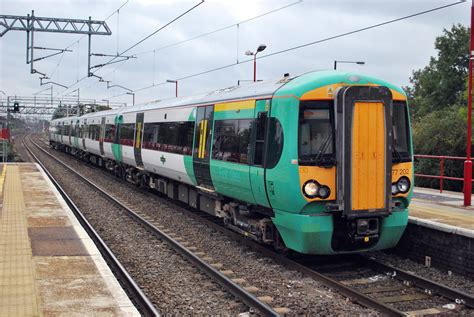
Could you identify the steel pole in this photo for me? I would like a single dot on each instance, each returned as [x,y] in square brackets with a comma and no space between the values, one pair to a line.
[468,162]
[176,89]
[255,67]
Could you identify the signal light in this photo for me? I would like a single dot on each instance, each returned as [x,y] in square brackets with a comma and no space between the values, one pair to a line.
[16,107]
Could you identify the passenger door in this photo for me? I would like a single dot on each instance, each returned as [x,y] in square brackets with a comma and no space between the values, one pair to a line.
[202,146]
[257,171]
[101,136]
[137,148]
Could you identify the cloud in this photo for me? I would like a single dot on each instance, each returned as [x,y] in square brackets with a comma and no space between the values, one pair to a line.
[391,52]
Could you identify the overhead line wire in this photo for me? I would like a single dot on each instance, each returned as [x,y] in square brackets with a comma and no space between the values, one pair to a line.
[81,38]
[306,44]
[220,29]
[139,42]
[205,34]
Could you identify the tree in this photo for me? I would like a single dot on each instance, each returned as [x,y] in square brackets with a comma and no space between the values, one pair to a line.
[438,103]
[441,84]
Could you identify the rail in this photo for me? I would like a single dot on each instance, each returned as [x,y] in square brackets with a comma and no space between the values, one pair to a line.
[441,176]
[238,291]
[144,305]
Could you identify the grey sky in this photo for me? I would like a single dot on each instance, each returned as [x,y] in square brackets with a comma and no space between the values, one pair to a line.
[390,52]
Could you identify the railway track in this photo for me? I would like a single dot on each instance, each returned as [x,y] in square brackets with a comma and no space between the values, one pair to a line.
[364,280]
[198,259]
[141,301]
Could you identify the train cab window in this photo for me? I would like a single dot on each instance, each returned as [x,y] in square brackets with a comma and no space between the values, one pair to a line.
[401,139]
[126,133]
[316,133]
[231,140]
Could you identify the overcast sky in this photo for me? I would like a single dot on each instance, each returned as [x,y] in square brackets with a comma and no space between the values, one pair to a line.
[390,52]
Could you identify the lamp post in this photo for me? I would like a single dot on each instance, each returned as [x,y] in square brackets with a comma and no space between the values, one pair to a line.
[468,162]
[260,48]
[348,62]
[174,82]
[133,97]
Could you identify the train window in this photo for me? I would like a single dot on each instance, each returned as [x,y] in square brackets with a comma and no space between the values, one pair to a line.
[260,126]
[109,135]
[275,143]
[231,140]
[126,133]
[173,137]
[94,132]
[401,139]
[316,133]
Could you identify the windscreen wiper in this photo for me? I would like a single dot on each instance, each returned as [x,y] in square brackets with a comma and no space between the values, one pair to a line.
[323,149]
[397,154]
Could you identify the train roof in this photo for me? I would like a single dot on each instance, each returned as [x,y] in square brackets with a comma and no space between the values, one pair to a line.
[264,89]
[255,90]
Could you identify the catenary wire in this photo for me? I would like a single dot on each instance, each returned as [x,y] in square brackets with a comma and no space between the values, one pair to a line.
[303,45]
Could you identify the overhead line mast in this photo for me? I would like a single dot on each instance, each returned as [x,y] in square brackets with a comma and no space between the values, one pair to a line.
[32,24]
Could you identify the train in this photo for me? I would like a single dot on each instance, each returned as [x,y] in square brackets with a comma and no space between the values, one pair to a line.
[319,163]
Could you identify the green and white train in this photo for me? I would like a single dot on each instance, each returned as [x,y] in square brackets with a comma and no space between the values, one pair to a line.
[320,163]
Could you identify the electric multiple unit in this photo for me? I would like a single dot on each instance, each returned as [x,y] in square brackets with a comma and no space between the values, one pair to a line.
[320,163]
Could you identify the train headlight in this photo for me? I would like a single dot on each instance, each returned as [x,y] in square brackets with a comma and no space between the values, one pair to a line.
[310,188]
[403,185]
[394,189]
[324,192]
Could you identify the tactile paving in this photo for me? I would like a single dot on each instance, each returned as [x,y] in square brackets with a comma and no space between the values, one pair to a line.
[18,295]
[48,264]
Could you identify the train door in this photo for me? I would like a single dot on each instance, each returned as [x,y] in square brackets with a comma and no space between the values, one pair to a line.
[137,147]
[62,129]
[84,134]
[76,134]
[71,125]
[257,171]
[202,146]
[101,136]
[364,123]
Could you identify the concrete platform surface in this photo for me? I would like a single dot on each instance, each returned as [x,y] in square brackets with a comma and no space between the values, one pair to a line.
[430,207]
[48,264]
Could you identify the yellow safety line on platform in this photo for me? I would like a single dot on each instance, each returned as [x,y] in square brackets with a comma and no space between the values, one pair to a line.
[2,178]
[18,294]
[441,213]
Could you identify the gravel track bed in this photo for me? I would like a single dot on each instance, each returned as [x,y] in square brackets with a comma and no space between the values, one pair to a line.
[459,282]
[20,149]
[303,296]
[380,279]
[172,284]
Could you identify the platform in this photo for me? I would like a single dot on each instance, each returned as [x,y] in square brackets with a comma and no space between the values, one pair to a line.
[443,211]
[48,264]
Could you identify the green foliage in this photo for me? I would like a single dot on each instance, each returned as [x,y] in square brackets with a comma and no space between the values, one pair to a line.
[441,84]
[438,105]
[441,132]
